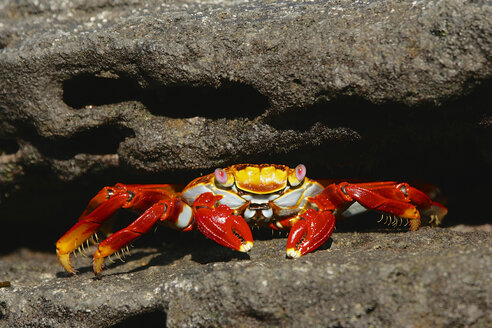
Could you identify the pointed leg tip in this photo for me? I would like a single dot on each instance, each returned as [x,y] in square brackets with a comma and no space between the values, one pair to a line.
[66,263]
[97,266]
[292,253]
[414,224]
[436,212]
[246,247]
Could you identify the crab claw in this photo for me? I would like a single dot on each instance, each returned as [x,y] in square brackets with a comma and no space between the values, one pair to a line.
[310,232]
[220,225]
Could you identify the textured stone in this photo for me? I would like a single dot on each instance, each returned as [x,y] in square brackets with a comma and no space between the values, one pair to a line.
[434,277]
[193,85]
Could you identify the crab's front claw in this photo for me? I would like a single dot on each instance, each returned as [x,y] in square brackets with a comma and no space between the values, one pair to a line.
[311,231]
[220,225]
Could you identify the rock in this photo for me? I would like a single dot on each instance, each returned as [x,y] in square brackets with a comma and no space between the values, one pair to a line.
[195,85]
[435,277]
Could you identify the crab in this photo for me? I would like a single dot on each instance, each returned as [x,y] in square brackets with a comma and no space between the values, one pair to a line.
[224,205]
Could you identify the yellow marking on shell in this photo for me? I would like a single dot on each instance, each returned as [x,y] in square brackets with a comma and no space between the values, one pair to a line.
[230,179]
[261,179]
[293,181]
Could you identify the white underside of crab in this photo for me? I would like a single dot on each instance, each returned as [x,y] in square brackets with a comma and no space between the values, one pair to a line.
[185,217]
[354,209]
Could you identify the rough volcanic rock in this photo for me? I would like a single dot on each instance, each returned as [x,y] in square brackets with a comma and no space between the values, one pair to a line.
[195,84]
[432,277]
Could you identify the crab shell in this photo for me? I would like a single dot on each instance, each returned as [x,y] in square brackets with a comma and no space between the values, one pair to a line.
[260,193]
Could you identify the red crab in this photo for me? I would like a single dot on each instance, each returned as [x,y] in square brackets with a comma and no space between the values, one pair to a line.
[223,205]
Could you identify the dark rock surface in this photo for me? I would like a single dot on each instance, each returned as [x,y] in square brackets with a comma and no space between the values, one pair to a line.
[191,85]
[432,277]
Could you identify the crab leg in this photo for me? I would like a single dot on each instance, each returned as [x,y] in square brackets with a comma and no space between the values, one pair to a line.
[373,200]
[126,235]
[85,228]
[174,212]
[399,199]
[101,208]
[315,226]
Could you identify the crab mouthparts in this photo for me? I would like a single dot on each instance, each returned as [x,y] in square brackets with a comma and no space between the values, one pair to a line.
[258,212]
[256,206]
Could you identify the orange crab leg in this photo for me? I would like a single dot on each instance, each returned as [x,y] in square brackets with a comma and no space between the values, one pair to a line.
[315,226]
[126,235]
[395,199]
[392,198]
[85,228]
[101,208]
[173,212]
[374,201]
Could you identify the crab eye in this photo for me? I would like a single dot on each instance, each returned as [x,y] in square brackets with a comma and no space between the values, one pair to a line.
[300,172]
[296,177]
[221,176]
